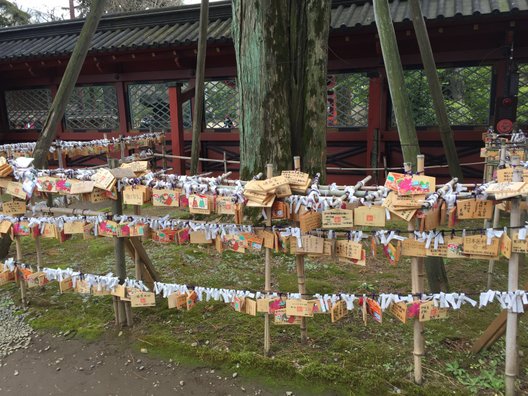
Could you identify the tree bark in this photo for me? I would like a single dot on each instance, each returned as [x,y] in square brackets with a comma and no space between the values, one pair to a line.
[281,49]
[67,85]
[199,87]
[400,100]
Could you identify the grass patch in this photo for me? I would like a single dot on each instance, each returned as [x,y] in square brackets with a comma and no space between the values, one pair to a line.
[341,358]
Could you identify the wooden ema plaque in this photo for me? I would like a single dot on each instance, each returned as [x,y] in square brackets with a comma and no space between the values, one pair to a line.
[338,218]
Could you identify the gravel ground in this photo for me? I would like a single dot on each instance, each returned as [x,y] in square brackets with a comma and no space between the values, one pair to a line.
[37,363]
[15,333]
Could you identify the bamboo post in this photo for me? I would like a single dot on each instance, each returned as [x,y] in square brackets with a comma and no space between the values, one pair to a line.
[38,250]
[426,53]
[225,163]
[69,78]
[417,288]
[164,152]
[18,273]
[512,358]
[119,249]
[299,264]
[115,304]
[62,165]
[491,264]
[122,147]
[393,66]
[267,272]
[137,260]
[496,210]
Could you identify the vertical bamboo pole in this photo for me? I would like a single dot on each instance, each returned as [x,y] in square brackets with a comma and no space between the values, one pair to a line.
[512,361]
[18,273]
[426,53]
[225,163]
[299,264]
[60,158]
[119,249]
[417,270]
[122,147]
[62,165]
[400,100]
[137,260]
[69,78]
[267,272]
[38,250]
[164,152]
[496,210]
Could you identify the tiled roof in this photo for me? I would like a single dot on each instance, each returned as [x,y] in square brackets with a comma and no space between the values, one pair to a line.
[172,27]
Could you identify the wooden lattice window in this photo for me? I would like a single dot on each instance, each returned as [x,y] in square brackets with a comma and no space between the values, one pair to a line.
[27,108]
[221,104]
[347,100]
[467,94]
[522,98]
[92,107]
[149,108]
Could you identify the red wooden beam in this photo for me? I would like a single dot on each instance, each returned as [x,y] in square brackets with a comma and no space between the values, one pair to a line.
[176,124]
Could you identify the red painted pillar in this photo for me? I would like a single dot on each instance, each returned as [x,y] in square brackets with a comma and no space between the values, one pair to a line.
[176,125]
[374,122]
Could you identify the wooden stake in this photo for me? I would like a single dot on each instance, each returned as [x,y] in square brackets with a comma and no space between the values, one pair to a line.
[137,259]
[491,264]
[417,287]
[496,210]
[199,87]
[267,272]
[38,250]
[299,264]
[512,358]
[122,147]
[19,274]
[119,249]
[164,152]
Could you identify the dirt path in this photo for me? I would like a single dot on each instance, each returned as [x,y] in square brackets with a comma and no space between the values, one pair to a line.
[56,365]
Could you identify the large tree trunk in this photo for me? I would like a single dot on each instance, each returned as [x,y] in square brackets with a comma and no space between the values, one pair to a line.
[281,48]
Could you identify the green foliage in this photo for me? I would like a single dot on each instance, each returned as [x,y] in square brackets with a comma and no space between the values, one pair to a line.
[11,15]
[480,375]
[522,105]
[116,6]
[467,93]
